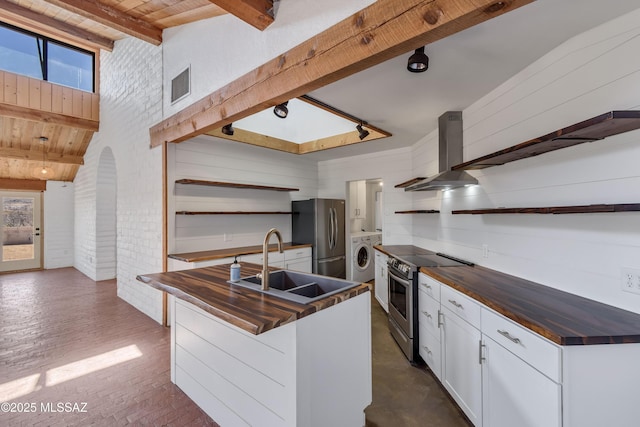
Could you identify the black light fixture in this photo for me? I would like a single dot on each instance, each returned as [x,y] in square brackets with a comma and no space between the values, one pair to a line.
[418,62]
[281,110]
[228,129]
[362,133]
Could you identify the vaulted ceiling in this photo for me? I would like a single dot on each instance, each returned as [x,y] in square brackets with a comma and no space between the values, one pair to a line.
[47,124]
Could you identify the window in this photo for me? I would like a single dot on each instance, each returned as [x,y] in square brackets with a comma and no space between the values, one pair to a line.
[33,55]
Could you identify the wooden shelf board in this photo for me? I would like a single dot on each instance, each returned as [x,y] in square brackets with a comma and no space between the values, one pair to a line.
[233,185]
[408,183]
[419,211]
[602,208]
[234,213]
[594,129]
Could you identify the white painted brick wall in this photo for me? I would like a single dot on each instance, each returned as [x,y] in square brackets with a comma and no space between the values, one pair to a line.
[58,224]
[130,103]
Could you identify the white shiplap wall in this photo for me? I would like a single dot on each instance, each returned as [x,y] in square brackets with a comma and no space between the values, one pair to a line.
[215,159]
[591,74]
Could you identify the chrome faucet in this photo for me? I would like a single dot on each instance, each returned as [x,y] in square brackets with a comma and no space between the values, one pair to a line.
[264,276]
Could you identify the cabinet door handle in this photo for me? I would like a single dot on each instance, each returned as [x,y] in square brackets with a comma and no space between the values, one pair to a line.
[439,318]
[509,337]
[427,314]
[427,349]
[455,303]
[481,357]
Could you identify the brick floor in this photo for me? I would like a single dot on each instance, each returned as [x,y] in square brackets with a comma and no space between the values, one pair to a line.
[65,339]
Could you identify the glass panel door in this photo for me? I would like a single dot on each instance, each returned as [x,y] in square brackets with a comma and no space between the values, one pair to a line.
[20,231]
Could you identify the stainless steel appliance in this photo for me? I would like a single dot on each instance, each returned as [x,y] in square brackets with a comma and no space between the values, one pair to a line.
[403,296]
[320,222]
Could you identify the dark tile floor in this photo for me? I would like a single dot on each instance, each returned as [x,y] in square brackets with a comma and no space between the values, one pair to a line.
[73,353]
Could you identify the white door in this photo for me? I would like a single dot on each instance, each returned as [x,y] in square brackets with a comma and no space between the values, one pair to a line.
[20,231]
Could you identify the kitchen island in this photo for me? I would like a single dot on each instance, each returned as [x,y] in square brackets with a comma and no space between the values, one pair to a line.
[248,358]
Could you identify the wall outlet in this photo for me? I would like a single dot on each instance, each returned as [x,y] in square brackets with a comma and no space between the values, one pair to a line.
[630,280]
[228,237]
[485,251]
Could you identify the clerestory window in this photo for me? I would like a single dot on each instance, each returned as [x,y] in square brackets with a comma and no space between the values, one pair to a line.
[33,55]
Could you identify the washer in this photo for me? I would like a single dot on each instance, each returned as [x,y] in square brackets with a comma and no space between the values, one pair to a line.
[362,259]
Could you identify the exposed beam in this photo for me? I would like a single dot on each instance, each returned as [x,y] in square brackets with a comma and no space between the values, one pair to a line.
[10,110]
[114,18]
[23,184]
[253,138]
[16,153]
[43,24]
[257,13]
[379,32]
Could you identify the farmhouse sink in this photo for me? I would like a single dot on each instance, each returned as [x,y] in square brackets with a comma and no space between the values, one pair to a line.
[296,286]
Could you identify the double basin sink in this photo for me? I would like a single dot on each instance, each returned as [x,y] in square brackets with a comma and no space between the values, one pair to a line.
[296,286]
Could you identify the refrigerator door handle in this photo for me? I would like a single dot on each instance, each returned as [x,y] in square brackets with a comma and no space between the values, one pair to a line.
[337,228]
[330,231]
[326,260]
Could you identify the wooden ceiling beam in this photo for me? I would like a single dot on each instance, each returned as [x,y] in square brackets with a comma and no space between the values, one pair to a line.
[16,153]
[114,18]
[381,31]
[17,112]
[23,184]
[47,26]
[257,13]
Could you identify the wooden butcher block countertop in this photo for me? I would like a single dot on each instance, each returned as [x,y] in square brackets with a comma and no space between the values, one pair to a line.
[563,318]
[255,312]
[232,252]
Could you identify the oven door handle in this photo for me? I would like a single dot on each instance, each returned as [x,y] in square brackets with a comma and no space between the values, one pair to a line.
[405,282]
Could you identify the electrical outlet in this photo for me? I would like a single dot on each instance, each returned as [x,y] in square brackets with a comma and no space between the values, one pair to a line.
[630,280]
[228,237]
[485,250]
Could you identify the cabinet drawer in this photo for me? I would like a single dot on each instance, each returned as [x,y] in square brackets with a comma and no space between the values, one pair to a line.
[292,254]
[274,257]
[429,349]
[428,309]
[524,343]
[429,285]
[465,307]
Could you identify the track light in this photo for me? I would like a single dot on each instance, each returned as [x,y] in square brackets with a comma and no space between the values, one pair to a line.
[362,133]
[418,62]
[228,129]
[281,110]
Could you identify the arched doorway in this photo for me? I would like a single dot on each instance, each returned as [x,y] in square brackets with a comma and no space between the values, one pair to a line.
[106,211]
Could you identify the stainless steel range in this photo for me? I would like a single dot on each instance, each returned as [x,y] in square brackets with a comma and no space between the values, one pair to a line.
[403,296]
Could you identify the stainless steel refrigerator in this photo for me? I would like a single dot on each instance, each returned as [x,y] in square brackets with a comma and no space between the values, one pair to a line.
[321,223]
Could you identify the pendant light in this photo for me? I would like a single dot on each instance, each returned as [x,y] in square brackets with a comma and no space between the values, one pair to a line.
[43,172]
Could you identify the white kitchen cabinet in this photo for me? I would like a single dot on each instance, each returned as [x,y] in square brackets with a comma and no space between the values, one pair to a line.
[382,280]
[461,368]
[177,265]
[358,199]
[298,259]
[430,347]
[515,393]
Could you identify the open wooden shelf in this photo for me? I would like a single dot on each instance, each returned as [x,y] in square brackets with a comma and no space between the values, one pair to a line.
[232,185]
[419,211]
[408,183]
[625,207]
[234,213]
[594,129]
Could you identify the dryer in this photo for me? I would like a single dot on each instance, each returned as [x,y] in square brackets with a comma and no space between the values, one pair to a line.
[363,266]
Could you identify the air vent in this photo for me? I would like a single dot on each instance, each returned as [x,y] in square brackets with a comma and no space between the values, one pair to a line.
[181,85]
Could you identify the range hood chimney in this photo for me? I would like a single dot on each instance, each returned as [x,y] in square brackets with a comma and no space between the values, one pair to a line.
[449,154]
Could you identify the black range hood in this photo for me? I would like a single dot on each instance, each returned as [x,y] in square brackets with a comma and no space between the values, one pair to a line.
[449,154]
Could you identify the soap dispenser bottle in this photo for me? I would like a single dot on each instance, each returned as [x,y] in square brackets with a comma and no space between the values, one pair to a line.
[235,270]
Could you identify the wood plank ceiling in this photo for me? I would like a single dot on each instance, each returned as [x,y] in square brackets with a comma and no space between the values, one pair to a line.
[67,118]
